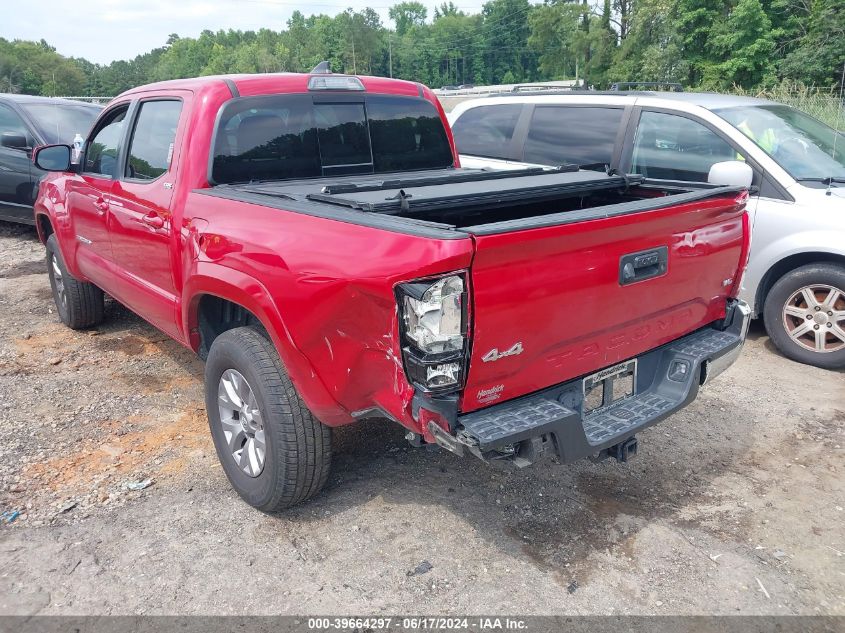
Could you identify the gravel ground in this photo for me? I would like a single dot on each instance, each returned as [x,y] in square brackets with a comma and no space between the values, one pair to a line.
[734,505]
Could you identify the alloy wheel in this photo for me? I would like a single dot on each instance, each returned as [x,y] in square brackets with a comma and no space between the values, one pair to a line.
[59,281]
[243,425]
[814,318]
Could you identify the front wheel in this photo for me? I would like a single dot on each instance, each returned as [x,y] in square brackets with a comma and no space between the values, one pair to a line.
[805,315]
[274,452]
[80,304]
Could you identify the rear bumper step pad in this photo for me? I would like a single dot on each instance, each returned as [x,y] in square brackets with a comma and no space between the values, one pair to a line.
[557,412]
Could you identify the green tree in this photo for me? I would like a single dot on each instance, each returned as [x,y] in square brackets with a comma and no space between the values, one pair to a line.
[555,37]
[817,54]
[36,68]
[444,9]
[653,49]
[709,43]
[745,44]
[454,46]
[601,44]
[505,35]
[362,40]
[407,14]
[623,9]
[693,24]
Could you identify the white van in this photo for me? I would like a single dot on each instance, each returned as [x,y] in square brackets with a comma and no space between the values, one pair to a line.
[796,274]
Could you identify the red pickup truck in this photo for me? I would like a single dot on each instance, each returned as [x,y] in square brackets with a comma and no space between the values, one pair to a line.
[313,237]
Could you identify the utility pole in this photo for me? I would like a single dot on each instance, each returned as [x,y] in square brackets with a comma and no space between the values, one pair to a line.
[390,52]
[354,66]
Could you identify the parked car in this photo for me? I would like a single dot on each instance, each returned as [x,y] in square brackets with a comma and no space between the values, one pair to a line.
[313,239]
[25,122]
[796,275]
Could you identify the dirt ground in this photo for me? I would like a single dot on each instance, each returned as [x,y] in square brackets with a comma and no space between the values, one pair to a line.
[735,505]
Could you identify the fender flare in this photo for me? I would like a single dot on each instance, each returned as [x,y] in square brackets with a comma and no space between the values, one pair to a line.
[213,279]
[53,209]
[61,236]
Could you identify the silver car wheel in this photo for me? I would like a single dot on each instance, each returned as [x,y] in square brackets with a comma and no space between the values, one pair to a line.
[243,426]
[814,318]
[59,281]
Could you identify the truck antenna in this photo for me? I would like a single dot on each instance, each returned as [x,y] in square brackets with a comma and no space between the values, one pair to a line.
[323,68]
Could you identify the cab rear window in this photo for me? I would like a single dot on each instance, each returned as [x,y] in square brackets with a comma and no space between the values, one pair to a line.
[281,137]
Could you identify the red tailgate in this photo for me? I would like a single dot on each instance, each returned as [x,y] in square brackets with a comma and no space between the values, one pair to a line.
[556,291]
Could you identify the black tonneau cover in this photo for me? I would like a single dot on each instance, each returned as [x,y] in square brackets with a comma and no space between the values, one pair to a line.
[440,190]
[398,202]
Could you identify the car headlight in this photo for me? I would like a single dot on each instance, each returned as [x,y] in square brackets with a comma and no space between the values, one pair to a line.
[433,319]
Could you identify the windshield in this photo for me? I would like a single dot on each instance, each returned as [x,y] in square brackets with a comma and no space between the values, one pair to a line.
[60,122]
[298,136]
[800,144]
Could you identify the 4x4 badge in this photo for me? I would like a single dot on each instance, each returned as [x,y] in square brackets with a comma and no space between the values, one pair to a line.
[495,354]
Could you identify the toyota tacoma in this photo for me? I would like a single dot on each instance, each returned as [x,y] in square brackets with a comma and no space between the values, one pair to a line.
[314,239]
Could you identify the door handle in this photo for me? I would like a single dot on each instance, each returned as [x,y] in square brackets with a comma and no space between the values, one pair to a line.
[153,220]
[101,205]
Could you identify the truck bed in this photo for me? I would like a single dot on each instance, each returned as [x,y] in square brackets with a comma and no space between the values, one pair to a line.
[552,251]
[471,201]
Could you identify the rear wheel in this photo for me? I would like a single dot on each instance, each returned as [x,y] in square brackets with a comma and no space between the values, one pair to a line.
[805,315]
[80,304]
[274,452]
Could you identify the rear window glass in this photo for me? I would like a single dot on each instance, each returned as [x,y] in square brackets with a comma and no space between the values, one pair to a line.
[281,137]
[486,130]
[575,135]
[60,122]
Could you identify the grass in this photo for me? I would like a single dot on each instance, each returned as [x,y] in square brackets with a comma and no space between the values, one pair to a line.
[824,104]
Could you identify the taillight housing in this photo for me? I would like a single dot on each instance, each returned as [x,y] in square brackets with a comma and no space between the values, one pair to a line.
[745,252]
[433,329]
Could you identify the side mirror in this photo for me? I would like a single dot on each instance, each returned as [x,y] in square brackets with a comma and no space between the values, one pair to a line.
[52,158]
[14,140]
[734,173]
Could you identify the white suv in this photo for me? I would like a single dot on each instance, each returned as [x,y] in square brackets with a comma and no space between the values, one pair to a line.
[796,273]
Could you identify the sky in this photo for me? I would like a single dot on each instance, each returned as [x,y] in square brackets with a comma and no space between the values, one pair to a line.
[104,30]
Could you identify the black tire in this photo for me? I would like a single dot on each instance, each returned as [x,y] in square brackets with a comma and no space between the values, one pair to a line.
[298,446]
[822,274]
[82,304]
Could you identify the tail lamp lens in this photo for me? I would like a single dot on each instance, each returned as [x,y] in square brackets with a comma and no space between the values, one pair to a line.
[433,322]
[433,318]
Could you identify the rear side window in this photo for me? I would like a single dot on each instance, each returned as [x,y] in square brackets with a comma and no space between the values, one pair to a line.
[572,135]
[151,149]
[486,130]
[280,137]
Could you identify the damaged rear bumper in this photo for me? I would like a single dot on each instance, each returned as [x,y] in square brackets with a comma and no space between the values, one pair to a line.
[553,420]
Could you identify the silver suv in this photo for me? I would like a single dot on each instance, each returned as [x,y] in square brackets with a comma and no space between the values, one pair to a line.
[796,274]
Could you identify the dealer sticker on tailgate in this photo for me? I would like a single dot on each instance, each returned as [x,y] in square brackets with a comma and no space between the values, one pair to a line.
[609,386]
